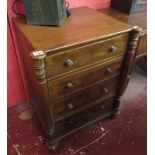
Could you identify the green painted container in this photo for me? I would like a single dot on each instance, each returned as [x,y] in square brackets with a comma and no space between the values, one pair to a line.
[45,12]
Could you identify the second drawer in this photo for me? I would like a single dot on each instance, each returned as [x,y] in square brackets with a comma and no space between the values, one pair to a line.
[74,82]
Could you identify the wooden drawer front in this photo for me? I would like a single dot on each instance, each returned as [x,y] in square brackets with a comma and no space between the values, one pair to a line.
[84,99]
[82,56]
[142,46]
[85,117]
[79,80]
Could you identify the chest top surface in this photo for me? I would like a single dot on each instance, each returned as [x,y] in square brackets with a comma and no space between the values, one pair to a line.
[138,19]
[84,25]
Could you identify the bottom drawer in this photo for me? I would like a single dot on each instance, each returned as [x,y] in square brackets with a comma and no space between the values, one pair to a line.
[84,118]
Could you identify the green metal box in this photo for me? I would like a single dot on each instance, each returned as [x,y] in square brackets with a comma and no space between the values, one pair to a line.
[45,12]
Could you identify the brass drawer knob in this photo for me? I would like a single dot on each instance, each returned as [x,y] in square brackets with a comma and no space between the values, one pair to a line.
[113,49]
[109,70]
[69,63]
[105,90]
[69,85]
[70,106]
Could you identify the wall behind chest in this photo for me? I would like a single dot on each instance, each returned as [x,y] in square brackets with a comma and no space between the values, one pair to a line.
[16,88]
[96,4]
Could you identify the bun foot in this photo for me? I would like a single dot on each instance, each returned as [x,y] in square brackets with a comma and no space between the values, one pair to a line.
[115,113]
[51,145]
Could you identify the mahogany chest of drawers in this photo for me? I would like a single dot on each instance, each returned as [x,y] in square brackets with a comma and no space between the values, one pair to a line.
[75,74]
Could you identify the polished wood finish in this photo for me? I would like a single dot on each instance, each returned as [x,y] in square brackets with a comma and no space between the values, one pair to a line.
[60,87]
[142,45]
[86,55]
[77,29]
[84,98]
[96,112]
[77,73]
[139,19]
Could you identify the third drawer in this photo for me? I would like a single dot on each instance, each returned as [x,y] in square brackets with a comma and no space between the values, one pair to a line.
[85,98]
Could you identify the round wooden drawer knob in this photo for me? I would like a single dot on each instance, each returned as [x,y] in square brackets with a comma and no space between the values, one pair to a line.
[70,122]
[102,107]
[69,63]
[113,49]
[69,85]
[105,90]
[109,70]
[70,106]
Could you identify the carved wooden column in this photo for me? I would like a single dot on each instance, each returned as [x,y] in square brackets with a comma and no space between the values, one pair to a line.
[127,67]
[38,58]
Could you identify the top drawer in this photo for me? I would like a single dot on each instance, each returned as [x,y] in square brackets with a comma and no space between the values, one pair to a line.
[83,56]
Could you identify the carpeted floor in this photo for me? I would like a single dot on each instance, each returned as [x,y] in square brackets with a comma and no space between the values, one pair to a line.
[125,135]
